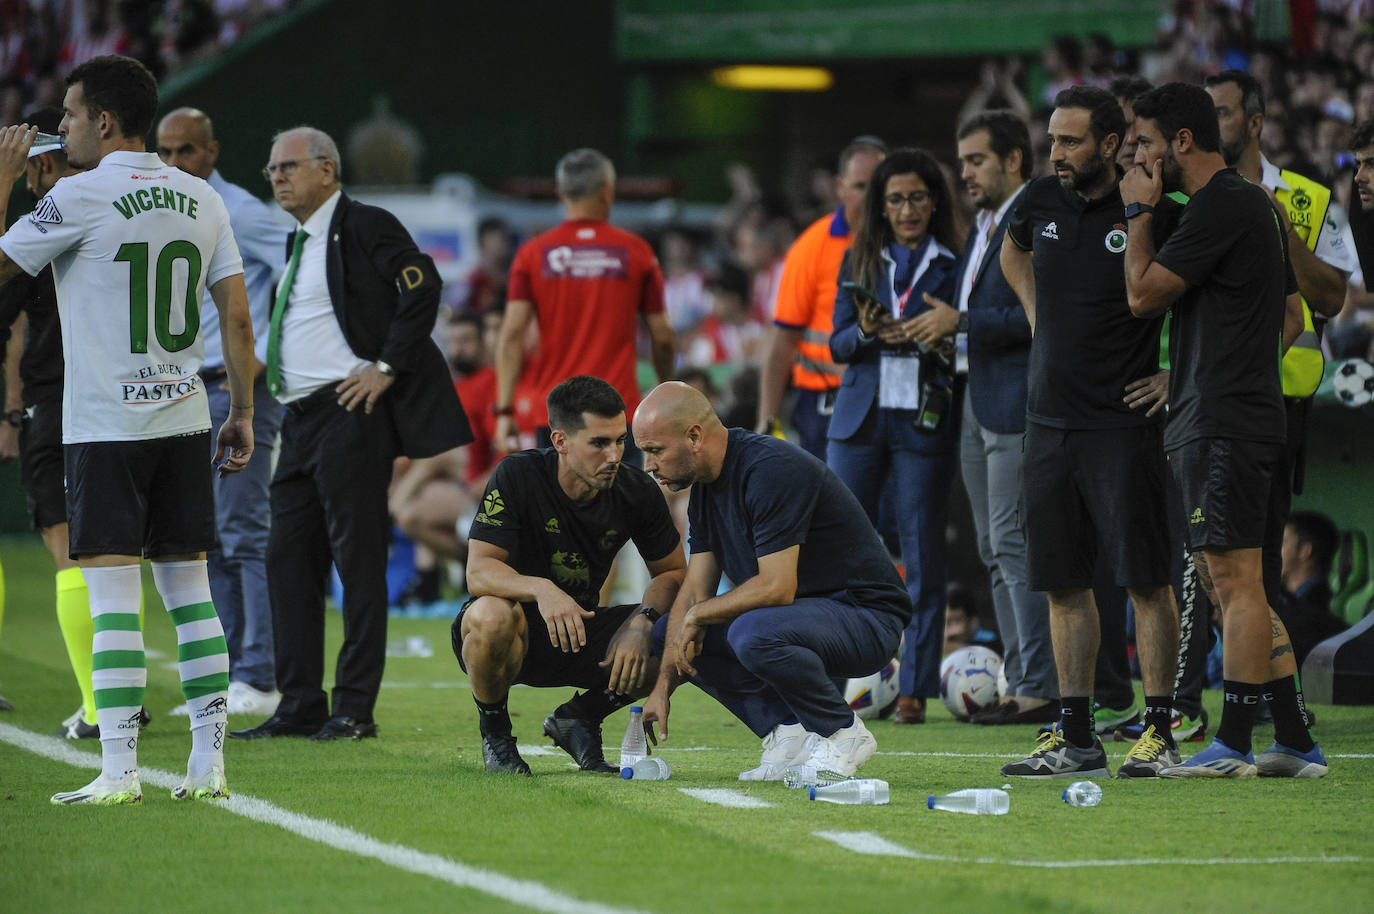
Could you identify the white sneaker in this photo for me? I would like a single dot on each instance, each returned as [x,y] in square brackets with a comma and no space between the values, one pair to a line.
[103,792]
[786,745]
[210,786]
[244,699]
[834,757]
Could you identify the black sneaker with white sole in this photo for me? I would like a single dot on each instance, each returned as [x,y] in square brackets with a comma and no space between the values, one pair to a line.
[1056,757]
[500,756]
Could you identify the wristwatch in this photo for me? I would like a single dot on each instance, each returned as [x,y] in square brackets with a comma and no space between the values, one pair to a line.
[650,613]
[385,369]
[15,417]
[961,322]
[1135,209]
[502,410]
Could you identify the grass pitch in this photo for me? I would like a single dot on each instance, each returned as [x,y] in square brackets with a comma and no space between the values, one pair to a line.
[410,822]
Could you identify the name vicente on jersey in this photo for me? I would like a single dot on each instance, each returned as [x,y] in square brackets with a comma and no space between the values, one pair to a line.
[147,199]
[159,384]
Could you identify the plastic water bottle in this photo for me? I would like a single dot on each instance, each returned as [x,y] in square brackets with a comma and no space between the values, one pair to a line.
[650,768]
[853,792]
[47,142]
[1082,793]
[978,801]
[635,746]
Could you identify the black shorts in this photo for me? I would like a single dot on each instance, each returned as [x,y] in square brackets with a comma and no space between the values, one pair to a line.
[150,498]
[40,464]
[1232,492]
[545,664]
[1091,490]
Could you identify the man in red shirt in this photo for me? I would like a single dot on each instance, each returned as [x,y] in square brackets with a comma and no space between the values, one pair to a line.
[583,283]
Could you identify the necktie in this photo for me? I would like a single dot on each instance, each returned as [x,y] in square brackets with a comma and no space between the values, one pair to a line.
[278,310]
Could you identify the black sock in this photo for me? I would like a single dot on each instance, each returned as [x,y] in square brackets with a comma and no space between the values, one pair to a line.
[1159,713]
[1076,717]
[1290,715]
[594,705]
[493,719]
[1238,713]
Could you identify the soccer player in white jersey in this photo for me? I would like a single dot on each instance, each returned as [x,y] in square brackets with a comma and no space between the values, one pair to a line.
[134,244]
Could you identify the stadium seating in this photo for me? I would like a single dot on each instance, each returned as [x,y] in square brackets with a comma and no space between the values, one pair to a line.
[1350,577]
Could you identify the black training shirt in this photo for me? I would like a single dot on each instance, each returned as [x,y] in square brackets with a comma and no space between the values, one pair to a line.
[1231,250]
[41,366]
[770,496]
[548,535]
[1087,345]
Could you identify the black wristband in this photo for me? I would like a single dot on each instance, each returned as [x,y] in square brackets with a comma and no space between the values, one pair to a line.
[650,613]
[1137,209]
[15,417]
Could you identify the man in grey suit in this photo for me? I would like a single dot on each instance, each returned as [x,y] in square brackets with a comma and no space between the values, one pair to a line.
[993,348]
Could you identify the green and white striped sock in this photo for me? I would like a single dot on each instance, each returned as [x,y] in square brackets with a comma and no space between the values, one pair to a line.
[202,657]
[119,671]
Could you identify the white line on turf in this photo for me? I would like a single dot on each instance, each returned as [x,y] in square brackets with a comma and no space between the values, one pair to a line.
[524,892]
[722,797]
[866,842]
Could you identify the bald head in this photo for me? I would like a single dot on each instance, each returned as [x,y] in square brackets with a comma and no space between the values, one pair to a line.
[186,140]
[682,438]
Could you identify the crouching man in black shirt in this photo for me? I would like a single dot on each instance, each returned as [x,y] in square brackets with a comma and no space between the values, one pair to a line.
[1226,274]
[551,522]
[815,596]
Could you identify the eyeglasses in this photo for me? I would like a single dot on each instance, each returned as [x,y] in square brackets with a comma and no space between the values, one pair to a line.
[917,199]
[287,168]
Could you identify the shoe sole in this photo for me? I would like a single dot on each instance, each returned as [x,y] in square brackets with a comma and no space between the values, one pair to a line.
[113,799]
[1077,773]
[205,794]
[1284,770]
[1239,772]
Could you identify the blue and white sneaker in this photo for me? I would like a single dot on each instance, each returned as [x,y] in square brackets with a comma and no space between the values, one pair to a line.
[1216,761]
[1279,761]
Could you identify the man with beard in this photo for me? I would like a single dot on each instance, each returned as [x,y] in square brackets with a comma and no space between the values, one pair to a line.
[1225,273]
[1094,466]
[1362,225]
[539,550]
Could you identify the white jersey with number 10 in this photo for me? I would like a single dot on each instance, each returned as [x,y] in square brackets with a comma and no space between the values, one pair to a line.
[133,244]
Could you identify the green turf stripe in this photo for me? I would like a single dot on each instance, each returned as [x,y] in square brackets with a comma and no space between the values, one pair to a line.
[119,698]
[196,612]
[194,650]
[117,622]
[118,660]
[205,685]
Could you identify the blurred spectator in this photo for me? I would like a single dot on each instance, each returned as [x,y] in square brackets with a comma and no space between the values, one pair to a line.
[761,248]
[486,284]
[684,282]
[1309,545]
[1062,58]
[963,623]
[730,333]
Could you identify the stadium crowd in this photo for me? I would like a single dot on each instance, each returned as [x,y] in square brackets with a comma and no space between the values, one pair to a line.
[893,312]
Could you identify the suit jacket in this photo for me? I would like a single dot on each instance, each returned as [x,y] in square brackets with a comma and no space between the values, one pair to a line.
[999,338]
[858,391]
[385,294]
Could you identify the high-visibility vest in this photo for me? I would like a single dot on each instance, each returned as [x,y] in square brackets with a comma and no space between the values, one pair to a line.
[1305,201]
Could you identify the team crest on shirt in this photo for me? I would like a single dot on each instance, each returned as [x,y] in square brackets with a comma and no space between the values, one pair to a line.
[1116,239]
[45,213]
[492,505]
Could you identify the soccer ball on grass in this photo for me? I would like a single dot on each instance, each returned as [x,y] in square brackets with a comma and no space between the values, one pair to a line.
[874,695]
[968,680]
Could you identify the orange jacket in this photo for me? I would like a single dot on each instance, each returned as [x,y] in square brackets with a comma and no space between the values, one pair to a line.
[806,299]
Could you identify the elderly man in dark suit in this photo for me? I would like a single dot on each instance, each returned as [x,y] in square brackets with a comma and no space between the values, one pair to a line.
[993,338]
[349,353]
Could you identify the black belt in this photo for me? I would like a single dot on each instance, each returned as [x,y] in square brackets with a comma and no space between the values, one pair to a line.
[310,402]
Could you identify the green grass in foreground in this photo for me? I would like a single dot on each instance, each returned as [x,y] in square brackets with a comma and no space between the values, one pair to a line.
[636,845]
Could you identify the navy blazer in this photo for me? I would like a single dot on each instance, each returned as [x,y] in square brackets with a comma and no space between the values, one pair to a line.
[999,338]
[385,294]
[858,391]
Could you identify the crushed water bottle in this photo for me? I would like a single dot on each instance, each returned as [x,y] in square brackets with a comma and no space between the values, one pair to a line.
[977,801]
[1082,793]
[651,768]
[853,792]
[635,746]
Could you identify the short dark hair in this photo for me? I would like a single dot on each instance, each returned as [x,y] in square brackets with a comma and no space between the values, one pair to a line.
[1178,106]
[1129,87]
[122,86]
[866,143]
[466,317]
[1102,106]
[1251,92]
[582,394]
[1363,135]
[1318,531]
[957,596]
[1006,131]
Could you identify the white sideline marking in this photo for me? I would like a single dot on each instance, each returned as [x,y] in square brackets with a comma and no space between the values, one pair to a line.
[524,892]
[866,842]
[722,797]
